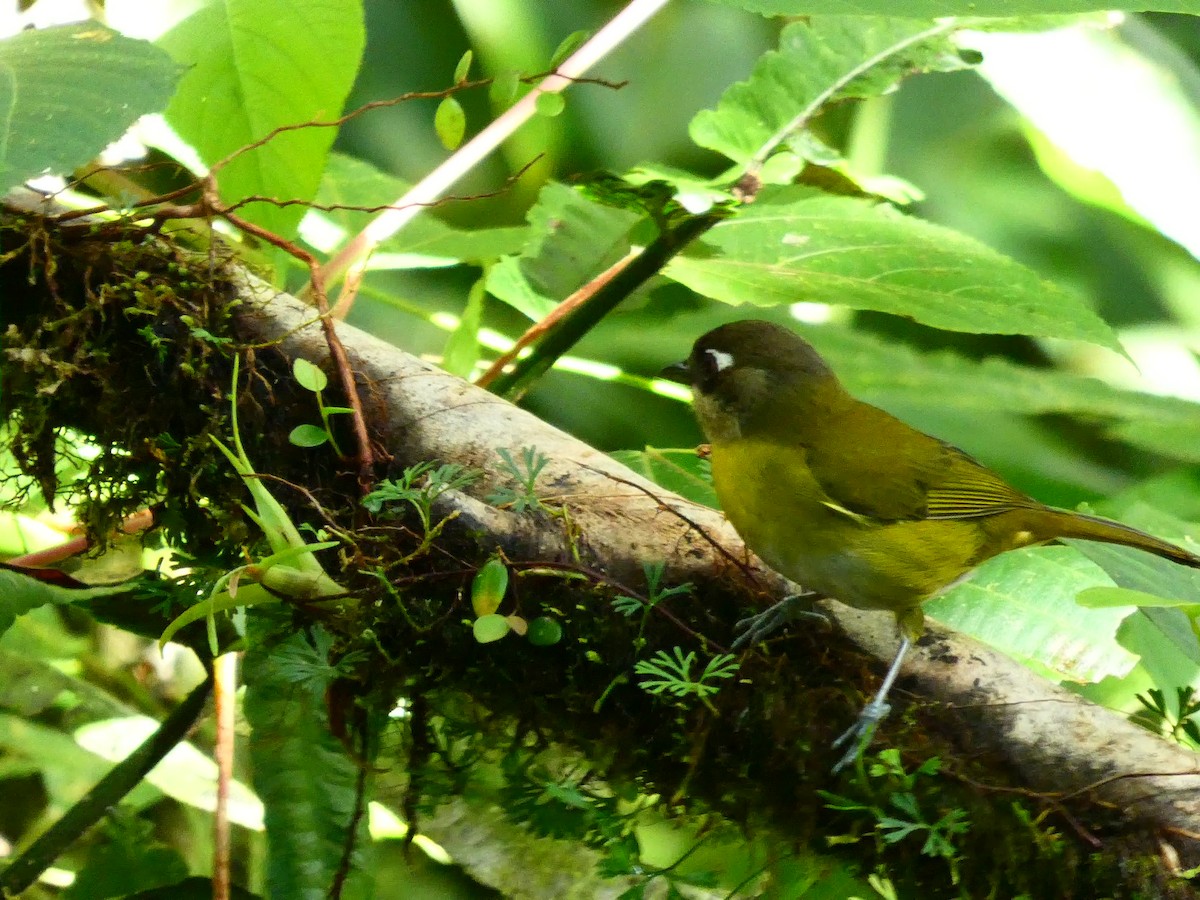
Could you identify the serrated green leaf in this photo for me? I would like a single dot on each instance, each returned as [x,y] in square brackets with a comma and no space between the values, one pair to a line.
[66,92]
[309,376]
[1024,604]
[571,240]
[797,243]
[680,471]
[304,776]
[450,123]
[256,65]
[817,63]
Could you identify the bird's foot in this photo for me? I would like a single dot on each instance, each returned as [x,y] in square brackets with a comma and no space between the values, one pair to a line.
[858,736]
[757,628]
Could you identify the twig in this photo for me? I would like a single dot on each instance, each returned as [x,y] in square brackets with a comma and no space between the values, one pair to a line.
[225,702]
[356,252]
[560,312]
[579,321]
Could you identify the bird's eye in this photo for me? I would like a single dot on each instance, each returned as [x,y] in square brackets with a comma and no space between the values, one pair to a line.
[710,363]
[718,360]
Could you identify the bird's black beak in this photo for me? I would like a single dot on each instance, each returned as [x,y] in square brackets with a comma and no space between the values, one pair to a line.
[679,372]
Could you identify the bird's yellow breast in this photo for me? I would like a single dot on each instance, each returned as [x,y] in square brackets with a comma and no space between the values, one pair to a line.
[783,514]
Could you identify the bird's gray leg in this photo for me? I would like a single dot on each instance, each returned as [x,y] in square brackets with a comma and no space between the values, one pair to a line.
[859,735]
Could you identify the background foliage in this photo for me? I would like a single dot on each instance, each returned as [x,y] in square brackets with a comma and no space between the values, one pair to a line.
[986,226]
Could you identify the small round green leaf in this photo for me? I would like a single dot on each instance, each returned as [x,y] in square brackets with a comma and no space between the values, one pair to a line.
[309,376]
[490,628]
[544,631]
[450,123]
[308,436]
[504,88]
[566,47]
[463,69]
[489,587]
[549,105]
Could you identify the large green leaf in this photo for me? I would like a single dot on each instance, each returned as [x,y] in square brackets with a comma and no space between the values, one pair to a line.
[572,240]
[818,63]
[1024,604]
[797,243]
[125,862]
[185,773]
[891,374]
[20,593]
[67,92]
[931,8]
[68,770]
[257,65]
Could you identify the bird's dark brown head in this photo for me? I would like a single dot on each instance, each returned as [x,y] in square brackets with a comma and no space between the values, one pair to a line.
[735,372]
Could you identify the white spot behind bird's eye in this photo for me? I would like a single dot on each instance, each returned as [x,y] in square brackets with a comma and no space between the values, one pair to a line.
[721,360]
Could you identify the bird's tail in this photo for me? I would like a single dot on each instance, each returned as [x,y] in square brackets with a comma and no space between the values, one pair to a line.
[1091,528]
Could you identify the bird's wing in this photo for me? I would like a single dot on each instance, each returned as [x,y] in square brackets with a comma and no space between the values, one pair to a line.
[970,490]
[881,468]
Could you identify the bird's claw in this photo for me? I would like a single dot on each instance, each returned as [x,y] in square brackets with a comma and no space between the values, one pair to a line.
[859,735]
[760,627]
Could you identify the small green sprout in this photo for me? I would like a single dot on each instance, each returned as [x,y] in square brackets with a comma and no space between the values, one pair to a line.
[419,486]
[487,593]
[669,674]
[627,605]
[903,816]
[525,473]
[313,379]
[1159,718]
[291,570]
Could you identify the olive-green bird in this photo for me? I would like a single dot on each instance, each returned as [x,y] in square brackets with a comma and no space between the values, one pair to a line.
[847,500]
